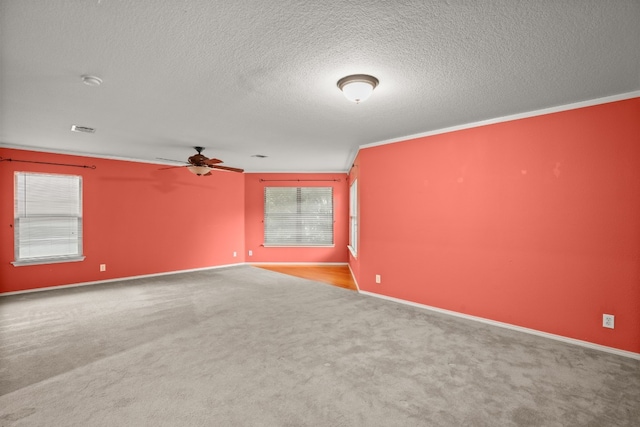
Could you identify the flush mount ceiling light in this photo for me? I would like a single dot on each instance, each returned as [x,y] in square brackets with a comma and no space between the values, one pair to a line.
[357,87]
[91,80]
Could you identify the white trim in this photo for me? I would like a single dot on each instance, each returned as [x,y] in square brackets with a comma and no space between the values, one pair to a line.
[151,162]
[83,154]
[557,109]
[136,160]
[353,276]
[561,338]
[305,172]
[49,260]
[264,245]
[119,279]
[352,158]
[352,155]
[586,344]
[298,263]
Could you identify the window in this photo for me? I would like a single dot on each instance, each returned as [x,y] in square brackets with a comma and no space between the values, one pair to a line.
[48,218]
[353,218]
[298,216]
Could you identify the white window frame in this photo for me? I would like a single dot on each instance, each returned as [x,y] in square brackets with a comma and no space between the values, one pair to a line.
[353,218]
[300,219]
[47,218]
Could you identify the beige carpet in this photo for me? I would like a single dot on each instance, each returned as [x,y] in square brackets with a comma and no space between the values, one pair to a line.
[243,346]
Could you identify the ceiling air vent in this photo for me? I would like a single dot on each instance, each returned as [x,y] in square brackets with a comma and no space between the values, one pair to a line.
[76,128]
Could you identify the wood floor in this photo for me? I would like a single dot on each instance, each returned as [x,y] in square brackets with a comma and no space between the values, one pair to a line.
[336,275]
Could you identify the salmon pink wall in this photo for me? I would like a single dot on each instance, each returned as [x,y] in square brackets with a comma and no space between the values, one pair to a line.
[254,215]
[137,220]
[533,222]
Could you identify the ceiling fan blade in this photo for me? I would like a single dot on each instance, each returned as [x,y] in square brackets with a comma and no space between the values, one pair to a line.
[227,168]
[171,160]
[211,162]
[173,167]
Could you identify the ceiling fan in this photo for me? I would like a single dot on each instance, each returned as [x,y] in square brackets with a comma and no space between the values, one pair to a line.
[201,165]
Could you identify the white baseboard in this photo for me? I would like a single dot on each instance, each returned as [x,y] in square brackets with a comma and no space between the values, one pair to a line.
[97,282]
[509,326]
[296,263]
[353,276]
[388,298]
[118,279]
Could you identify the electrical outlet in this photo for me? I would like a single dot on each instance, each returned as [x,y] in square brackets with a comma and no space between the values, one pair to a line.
[608,321]
[250,253]
[235,254]
[378,280]
[103,267]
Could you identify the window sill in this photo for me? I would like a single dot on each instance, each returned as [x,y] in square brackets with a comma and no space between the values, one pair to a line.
[299,246]
[353,251]
[39,261]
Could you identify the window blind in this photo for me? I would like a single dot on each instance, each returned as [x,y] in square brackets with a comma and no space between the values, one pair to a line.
[298,216]
[48,218]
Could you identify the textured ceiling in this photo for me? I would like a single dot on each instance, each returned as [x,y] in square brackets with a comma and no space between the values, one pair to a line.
[253,77]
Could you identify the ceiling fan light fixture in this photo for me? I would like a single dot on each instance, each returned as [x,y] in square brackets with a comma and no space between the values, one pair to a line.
[357,87]
[199,170]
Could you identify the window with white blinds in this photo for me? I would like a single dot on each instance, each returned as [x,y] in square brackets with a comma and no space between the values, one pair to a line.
[298,216]
[48,218]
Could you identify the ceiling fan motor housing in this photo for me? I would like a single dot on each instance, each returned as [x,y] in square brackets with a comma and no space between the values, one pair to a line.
[198,160]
